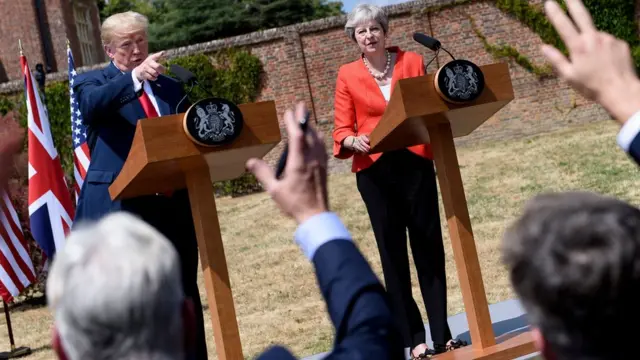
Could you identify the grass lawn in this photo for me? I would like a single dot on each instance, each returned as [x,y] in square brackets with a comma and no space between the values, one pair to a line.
[275,291]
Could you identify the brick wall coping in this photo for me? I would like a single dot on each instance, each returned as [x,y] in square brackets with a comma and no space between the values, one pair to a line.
[246,39]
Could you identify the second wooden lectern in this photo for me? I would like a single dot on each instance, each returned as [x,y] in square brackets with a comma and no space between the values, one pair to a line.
[163,158]
[418,114]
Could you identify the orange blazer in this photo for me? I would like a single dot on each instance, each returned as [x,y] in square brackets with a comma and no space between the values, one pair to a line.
[359,105]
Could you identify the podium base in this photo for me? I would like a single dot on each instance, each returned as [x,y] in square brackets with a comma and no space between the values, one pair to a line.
[508,347]
[16,353]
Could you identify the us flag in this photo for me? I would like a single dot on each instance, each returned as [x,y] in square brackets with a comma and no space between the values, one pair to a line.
[51,209]
[81,156]
[16,268]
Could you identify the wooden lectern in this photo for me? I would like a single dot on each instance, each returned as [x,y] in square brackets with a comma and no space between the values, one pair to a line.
[417,114]
[163,158]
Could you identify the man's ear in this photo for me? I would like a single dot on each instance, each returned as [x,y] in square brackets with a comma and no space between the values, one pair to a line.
[541,344]
[189,325]
[57,344]
[107,50]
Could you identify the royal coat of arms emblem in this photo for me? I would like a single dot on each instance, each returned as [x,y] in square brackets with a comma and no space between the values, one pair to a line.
[459,81]
[213,122]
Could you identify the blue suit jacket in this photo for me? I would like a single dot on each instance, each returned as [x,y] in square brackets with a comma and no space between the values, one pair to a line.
[357,305]
[634,149]
[110,109]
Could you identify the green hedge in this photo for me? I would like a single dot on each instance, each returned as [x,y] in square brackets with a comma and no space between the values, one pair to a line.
[236,76]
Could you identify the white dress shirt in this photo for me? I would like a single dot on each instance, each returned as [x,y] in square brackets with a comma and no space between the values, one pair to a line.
[318,230]
[386,91]
[137,85]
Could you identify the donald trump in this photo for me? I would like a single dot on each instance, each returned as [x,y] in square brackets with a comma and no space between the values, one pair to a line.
[111,101]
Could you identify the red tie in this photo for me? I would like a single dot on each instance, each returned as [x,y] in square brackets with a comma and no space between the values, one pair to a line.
[151,112]
[147,106]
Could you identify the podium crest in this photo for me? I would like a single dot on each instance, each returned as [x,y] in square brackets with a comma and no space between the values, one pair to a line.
[459,81]
[213,122]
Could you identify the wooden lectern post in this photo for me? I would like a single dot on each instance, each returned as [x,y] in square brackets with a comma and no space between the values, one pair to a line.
[163,158]
[416,114]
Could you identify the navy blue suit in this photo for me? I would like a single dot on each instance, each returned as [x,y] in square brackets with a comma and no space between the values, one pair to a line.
[634,149]
[110,109]
[357,304]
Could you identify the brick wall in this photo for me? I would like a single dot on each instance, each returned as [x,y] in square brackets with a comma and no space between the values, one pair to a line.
[18,22]
[301,63]
[21,22]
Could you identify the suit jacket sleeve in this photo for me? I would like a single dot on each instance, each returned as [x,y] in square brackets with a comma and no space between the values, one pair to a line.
[96,94]
[357,304]
[629,137]
[344,116]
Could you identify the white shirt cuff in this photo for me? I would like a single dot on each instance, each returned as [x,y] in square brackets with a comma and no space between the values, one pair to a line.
[137,85]
[318,230]
[629,131]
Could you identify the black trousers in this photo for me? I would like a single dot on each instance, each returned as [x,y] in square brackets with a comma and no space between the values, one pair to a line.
[172,217]
[400,193]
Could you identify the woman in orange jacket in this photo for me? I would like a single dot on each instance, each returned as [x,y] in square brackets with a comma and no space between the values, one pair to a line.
[398,187]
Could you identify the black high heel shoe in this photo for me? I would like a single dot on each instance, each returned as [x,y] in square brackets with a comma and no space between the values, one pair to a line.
[450,346]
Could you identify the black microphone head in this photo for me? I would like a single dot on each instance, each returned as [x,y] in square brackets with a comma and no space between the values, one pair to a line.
[427,41]
[183,74]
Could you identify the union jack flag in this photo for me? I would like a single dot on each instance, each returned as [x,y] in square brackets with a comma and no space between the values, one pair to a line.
[16,268]
[51,209]
[81,156]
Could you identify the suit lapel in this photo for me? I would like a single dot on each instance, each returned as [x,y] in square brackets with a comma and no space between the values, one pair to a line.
[132,111]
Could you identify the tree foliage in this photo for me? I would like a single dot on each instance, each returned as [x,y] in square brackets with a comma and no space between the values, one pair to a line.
[176,23]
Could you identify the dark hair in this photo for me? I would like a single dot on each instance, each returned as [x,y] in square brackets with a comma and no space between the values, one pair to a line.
[574,260]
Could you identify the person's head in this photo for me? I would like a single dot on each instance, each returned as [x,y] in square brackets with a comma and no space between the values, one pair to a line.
[368,25]
[124,38]
[574,261]
[115,292]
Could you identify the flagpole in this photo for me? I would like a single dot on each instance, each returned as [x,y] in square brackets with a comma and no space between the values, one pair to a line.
[6,315]
[21,351]
[15,352]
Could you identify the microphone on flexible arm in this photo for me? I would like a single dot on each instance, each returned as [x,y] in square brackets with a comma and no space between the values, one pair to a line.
[458,81]
[186,77]
[431,43]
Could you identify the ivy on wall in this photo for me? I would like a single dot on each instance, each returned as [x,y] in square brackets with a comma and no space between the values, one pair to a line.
[616,17]
[231,74]
[508,51]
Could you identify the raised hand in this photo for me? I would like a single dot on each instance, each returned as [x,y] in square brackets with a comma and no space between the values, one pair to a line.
[600,66]
[150,68]
[302,190]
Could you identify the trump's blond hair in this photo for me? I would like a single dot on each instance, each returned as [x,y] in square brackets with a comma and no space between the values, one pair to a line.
[122,24]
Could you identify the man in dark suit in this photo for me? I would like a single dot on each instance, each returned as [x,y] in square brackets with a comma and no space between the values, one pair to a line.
[111,101]
[600,68]
[356,300]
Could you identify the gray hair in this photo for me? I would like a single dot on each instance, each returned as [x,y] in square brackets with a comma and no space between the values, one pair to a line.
[574,261]
[115,291]
[363,13]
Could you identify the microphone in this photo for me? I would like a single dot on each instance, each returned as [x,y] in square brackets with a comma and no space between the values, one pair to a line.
[187,77]
[183,74]
[427,41]
[430,43]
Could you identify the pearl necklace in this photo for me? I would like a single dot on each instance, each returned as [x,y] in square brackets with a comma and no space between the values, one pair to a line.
[382,75]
